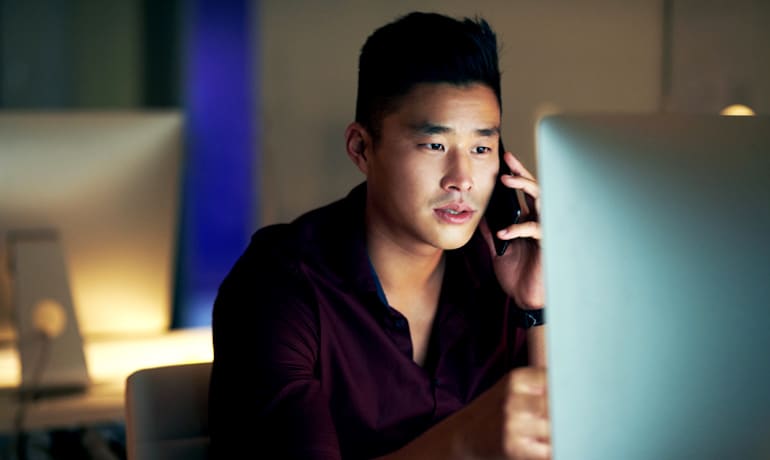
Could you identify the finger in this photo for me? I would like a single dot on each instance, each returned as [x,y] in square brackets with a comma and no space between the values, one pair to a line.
[528,409]
[531,192]
[527,448]
[527,429]
[536,430]
[517,167]
[528,380]
[528,229]
[526,184]
[527,433]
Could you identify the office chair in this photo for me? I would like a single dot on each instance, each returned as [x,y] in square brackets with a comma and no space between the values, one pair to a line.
[167,412]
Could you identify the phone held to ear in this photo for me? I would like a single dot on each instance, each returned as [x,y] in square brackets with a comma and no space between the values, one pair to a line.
[504,207]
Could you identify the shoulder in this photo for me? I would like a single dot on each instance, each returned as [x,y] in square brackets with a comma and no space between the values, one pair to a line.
[278,254]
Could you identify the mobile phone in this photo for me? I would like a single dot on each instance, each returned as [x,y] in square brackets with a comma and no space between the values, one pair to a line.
[504,208]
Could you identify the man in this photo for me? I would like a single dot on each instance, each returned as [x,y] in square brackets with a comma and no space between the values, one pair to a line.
[384,324]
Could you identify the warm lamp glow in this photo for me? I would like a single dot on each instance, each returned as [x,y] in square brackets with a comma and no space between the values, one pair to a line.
[124,300]
[737,110]
[113,359]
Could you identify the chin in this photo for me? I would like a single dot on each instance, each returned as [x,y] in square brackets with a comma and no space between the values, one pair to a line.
[454,241]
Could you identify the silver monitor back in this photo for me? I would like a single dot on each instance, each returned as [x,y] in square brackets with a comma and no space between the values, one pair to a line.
[108,184]
[656,241]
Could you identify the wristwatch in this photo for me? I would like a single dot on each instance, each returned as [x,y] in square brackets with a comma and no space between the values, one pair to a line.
[526,319]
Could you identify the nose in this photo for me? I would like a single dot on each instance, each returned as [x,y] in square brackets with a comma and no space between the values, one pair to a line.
[458,175]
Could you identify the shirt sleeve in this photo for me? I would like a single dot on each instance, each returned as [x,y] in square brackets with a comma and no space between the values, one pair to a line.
[265,394]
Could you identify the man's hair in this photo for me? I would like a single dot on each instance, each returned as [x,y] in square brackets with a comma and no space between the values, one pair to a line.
[422,48]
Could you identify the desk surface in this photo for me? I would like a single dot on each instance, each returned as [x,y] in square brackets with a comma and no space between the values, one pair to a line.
[110,361]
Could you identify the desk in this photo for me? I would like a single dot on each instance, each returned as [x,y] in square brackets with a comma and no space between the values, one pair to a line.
[110,361]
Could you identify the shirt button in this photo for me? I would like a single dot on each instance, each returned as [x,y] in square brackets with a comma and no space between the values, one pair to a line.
[400,323]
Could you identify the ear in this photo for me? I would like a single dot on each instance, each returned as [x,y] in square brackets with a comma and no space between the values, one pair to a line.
[358,144]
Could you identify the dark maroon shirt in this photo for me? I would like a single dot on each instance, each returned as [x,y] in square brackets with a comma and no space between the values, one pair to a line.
[310,362]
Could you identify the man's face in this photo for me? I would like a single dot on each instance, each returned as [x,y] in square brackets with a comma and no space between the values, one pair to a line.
[434,166]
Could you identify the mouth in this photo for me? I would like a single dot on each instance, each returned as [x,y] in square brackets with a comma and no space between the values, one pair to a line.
[456,213]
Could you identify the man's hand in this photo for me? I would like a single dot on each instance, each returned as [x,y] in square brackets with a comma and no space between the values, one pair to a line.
[526,429]
[511,419]
[519,270]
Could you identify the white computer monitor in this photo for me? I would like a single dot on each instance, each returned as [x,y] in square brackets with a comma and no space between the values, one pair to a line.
[657,268]
[108,184]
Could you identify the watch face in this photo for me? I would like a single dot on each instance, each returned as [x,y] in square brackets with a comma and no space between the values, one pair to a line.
[531,318]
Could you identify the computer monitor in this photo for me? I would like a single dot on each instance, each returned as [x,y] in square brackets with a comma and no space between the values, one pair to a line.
[657,278]
[107,185]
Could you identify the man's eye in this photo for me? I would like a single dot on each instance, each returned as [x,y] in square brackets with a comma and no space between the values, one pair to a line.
[434,146]
[482,149]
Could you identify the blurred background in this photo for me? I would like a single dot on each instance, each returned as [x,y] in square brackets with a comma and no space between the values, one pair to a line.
[267,87]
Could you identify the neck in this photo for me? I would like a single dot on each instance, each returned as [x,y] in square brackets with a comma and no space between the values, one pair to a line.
[411,274]
[403,270]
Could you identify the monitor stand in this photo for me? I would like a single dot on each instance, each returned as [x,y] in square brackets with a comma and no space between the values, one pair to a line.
[49,342]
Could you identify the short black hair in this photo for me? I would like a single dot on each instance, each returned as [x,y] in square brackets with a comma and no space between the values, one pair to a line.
[423,48]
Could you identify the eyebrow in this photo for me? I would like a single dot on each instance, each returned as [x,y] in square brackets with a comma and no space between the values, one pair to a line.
[432,128]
